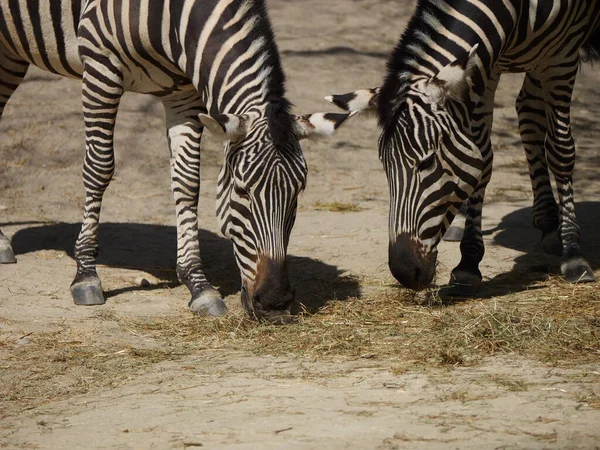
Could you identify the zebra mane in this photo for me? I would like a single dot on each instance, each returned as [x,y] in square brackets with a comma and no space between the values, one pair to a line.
[278,106]
[401,65]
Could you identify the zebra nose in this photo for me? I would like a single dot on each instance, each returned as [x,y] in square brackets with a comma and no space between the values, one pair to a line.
[273,296]
[409,265]
[273,291]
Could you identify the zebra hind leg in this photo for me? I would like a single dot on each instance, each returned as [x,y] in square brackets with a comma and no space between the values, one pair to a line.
[531,109]
[560,152]
[12,71]
[101,96]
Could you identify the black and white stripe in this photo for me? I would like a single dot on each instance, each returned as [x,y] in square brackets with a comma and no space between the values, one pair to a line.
[213,63]
[435,108]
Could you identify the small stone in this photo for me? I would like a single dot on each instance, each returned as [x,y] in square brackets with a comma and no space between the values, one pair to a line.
[142,282]
[23,341]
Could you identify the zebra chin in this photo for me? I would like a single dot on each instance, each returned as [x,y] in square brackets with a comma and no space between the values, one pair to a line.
[270,296]
[410,264]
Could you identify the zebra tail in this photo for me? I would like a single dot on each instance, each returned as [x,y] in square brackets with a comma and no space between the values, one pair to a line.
[590,50]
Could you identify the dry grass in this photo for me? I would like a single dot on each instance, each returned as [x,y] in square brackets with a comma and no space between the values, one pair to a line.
[560,325]
[337,207]
[389,327]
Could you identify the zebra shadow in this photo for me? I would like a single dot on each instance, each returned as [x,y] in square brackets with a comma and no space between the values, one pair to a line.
[152,249]
[516,232]
[340,50]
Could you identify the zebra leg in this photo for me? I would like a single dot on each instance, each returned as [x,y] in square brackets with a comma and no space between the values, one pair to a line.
[102,90]
[560,153]
[7,256]
[12,71]
[466,277]
[533,126]
[184,132]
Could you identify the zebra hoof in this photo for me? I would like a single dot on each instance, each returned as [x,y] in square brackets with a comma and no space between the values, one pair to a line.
[551,243]
[463,284]
[454,234]
[208,303]
[87,292]
[577,270]
[7,255]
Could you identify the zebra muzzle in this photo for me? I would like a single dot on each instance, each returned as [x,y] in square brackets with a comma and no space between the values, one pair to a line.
[271,296]
[409,264]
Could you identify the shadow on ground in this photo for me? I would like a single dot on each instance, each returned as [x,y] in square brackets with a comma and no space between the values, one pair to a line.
[516,232]
[338,50]
[152,248]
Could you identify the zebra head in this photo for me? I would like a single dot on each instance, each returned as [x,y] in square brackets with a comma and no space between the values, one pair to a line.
[257,196]
[431,162]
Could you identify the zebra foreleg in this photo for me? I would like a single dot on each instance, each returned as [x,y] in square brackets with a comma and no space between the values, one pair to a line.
[184,132]
[560,152]
[7,255]
[102,91]
[465,279]
[12,71]
[533,127]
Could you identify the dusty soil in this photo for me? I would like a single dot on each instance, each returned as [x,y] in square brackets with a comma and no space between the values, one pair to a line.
[140,372]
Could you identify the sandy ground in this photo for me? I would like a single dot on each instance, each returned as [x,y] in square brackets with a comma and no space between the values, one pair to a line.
[225,399]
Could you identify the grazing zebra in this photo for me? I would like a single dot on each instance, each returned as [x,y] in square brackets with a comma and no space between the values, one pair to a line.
[435,109]
[214,64]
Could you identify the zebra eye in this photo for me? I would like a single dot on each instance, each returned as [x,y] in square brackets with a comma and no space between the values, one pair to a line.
[241,192]
[426,163]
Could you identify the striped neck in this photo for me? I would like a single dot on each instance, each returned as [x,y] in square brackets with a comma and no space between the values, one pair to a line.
[439,32]
[233,61]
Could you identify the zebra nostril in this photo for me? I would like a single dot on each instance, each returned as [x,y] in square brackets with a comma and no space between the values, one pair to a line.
[417,273]
[256,299]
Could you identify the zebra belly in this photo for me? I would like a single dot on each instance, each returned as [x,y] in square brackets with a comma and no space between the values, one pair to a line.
[153,80]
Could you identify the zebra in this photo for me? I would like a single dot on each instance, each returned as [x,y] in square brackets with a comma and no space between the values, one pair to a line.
[213,64]
[435,109]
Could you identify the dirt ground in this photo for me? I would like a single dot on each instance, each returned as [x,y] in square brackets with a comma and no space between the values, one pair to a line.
[141,372]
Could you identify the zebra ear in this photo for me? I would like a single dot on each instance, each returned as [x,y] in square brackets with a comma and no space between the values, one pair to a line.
[319,124]
[363,101]
[230,127]
[454,80]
